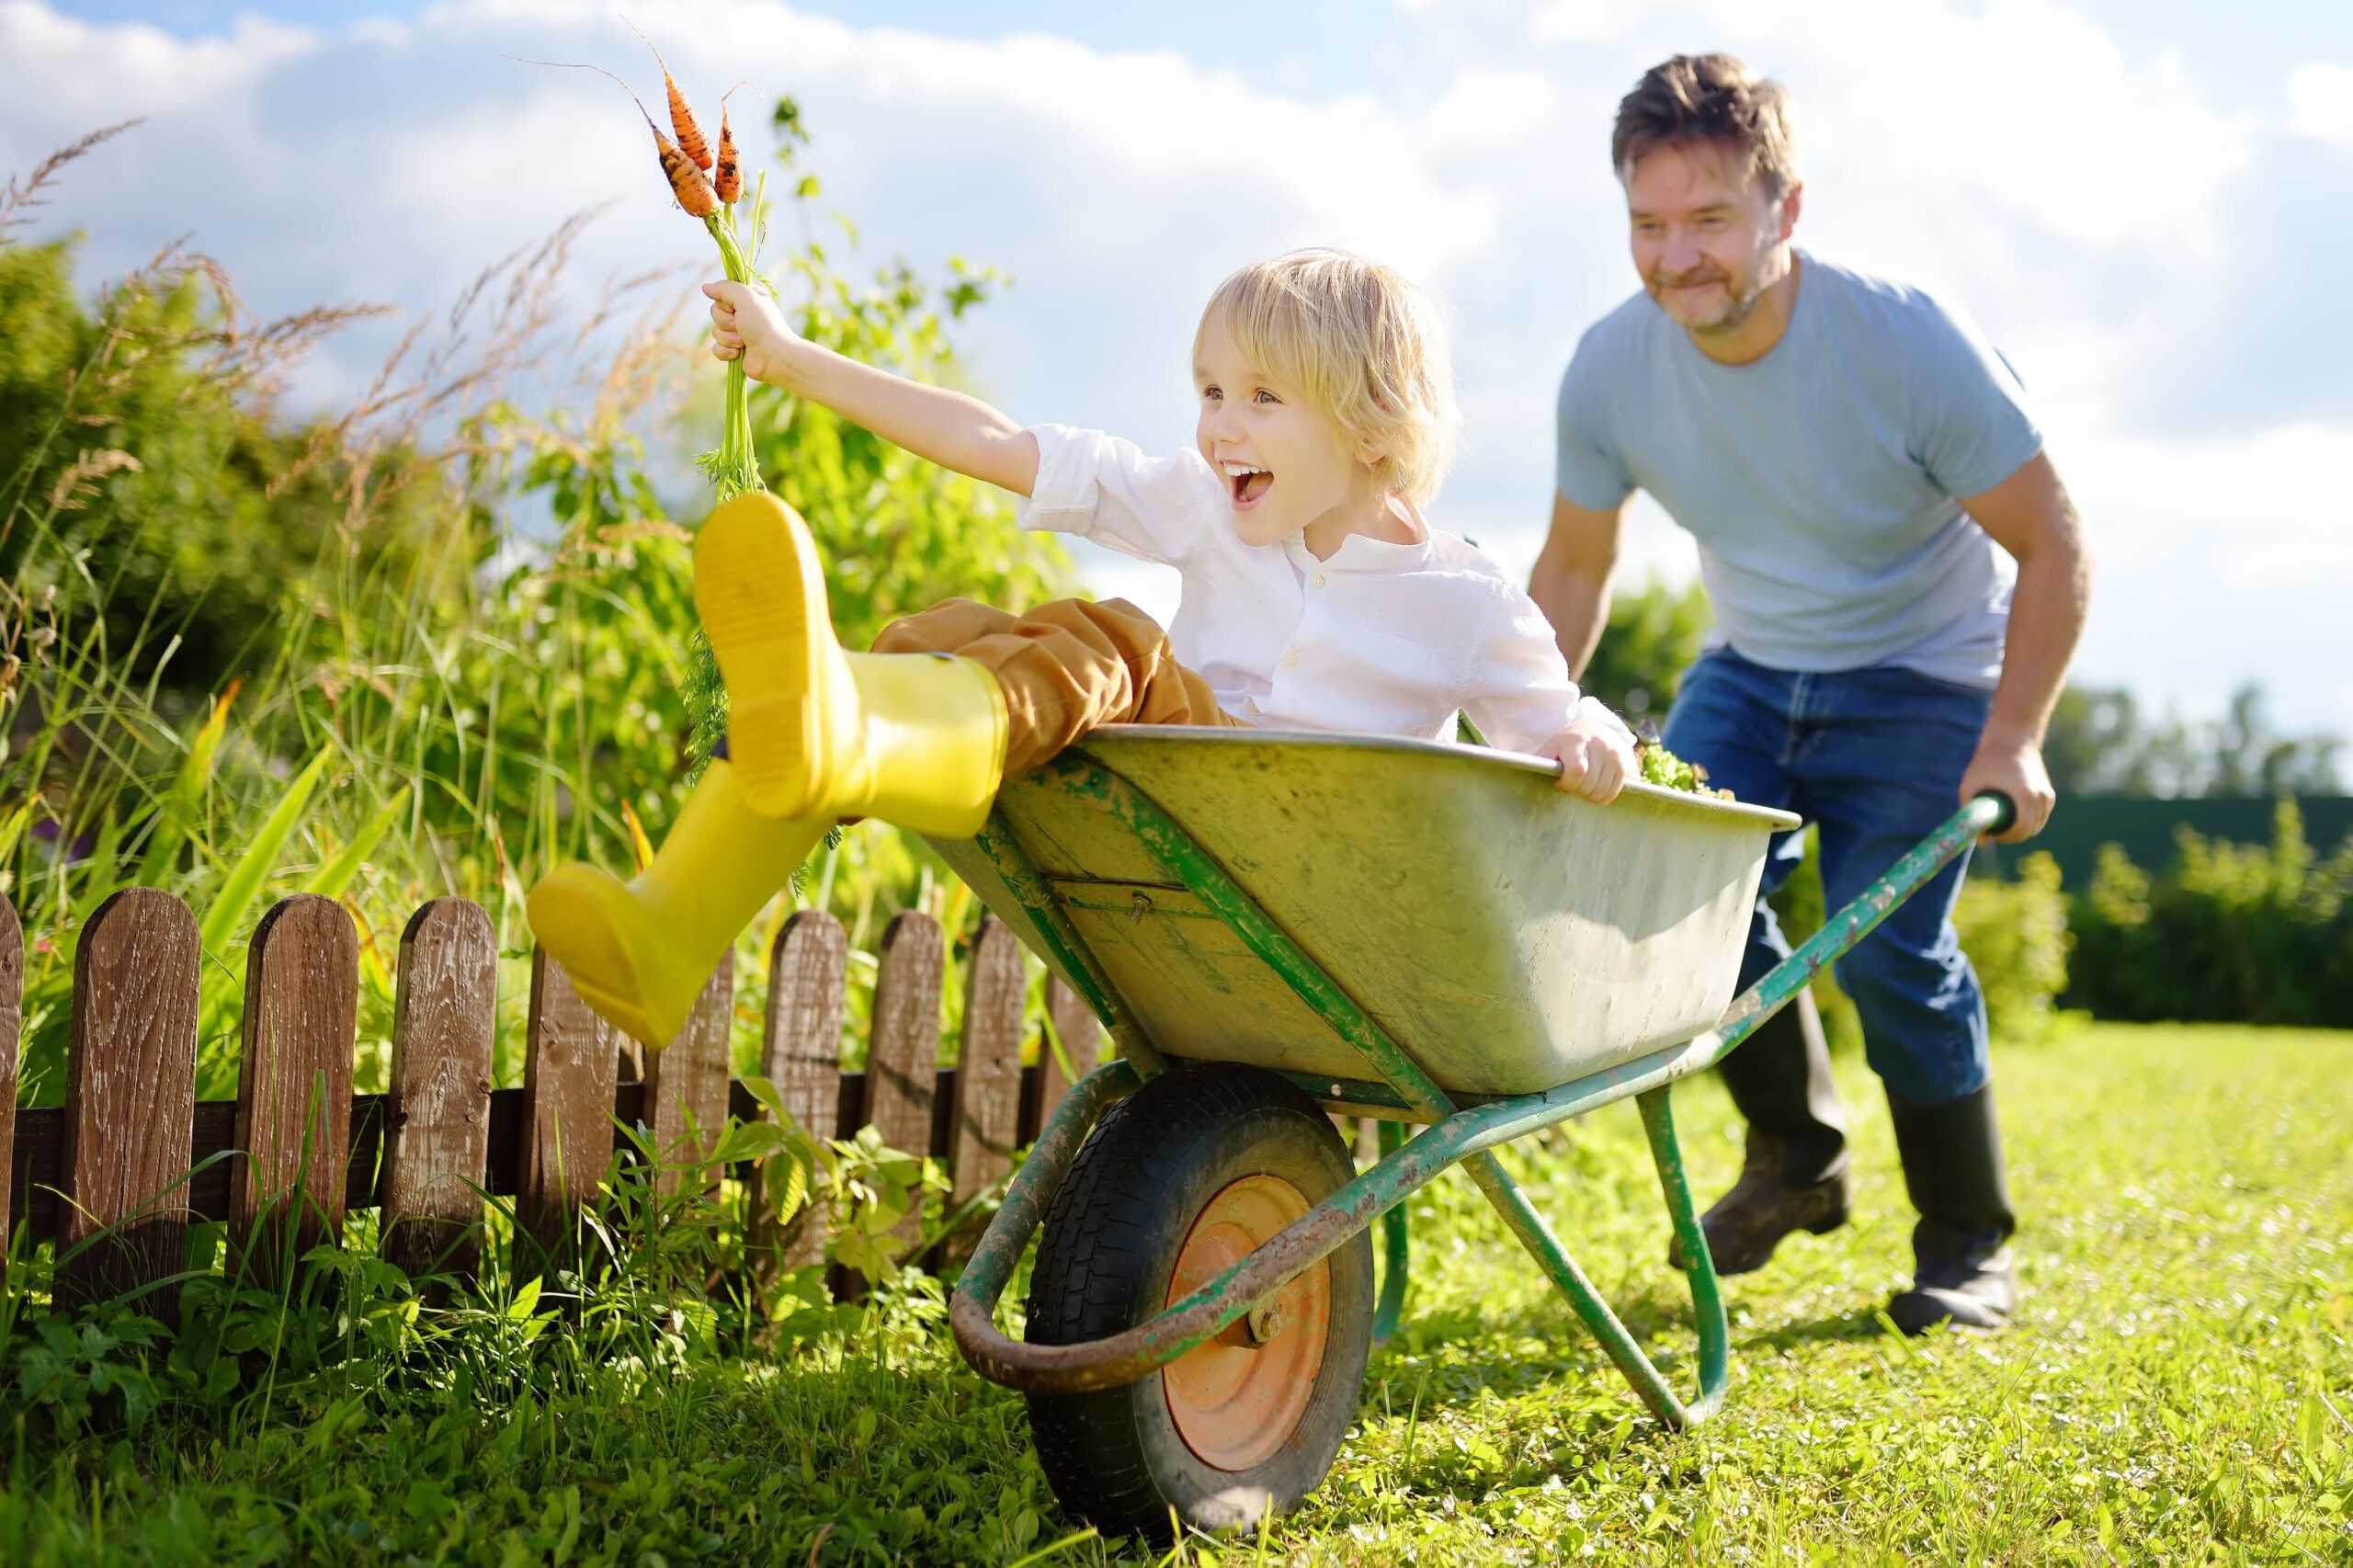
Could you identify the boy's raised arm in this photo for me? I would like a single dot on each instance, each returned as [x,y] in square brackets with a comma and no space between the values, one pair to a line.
[943,427]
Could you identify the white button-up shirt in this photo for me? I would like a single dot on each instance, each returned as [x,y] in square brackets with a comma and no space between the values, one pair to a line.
[1381,639]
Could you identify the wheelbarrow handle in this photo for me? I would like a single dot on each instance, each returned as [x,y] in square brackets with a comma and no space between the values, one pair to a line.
[2005,810]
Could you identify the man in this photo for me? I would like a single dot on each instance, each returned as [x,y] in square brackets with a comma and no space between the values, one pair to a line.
[1899,581]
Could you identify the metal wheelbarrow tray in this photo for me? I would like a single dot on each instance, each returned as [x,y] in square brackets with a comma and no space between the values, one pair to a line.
[1269,923]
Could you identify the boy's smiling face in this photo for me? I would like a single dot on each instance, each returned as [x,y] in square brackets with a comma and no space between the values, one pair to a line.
[1285,462]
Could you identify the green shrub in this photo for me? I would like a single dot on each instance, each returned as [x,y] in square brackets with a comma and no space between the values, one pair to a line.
[1654,633]
[2016,935]
[1803,907]
[147,480]
[2229,932]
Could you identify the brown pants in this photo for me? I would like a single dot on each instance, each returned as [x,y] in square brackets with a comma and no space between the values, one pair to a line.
[1064,667]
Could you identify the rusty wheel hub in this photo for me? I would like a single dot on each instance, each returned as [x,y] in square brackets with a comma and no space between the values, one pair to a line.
[1238,1398]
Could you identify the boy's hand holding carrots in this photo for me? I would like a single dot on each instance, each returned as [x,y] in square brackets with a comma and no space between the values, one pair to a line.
[935,424]
[1595,761]
[745,323]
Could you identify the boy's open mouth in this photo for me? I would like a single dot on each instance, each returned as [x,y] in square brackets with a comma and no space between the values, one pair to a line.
[1249,485]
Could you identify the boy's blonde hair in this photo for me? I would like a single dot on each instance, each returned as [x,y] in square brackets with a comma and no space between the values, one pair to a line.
[1362,344]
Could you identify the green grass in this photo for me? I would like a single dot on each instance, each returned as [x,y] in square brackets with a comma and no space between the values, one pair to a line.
[2178,1388]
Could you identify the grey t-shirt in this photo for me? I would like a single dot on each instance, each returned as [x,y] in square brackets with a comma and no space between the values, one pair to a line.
[1820,480]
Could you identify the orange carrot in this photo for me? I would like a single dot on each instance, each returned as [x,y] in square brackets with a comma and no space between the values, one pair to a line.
[687,181]
[729,181]
[682,119]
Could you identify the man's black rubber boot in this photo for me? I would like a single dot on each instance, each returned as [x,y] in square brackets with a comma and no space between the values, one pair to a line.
[1952,1164]
[1795,1177]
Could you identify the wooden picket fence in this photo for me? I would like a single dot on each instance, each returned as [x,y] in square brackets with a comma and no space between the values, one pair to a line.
[114,1160]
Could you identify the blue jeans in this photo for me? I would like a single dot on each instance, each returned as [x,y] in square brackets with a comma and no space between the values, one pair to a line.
[1874,758]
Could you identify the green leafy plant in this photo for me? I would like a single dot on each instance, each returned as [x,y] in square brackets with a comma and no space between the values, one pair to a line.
[2261,933]
[858,1187]
[2016,935]
[92,1371]
[1652,633]
[1661,767]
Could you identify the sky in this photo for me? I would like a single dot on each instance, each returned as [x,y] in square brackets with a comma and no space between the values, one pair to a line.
[2147,204]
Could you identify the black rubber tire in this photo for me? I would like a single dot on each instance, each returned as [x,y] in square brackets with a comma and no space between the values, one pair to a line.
[1109,1243]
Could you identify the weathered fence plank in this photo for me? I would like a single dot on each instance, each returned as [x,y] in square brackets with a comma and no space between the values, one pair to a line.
[688,1082]
[801,1055]
[987,1096]
[436,1146]
[293,1087]
[1081,1034]
[568,1075]
[39,1156]
[427,1152]
[903,1056]
[130,1098]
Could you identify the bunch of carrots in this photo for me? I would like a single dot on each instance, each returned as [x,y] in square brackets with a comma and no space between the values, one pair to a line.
[709,188]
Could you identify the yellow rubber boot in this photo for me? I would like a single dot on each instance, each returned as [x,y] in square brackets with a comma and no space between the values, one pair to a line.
[930,750]
[916,739]
[639,952]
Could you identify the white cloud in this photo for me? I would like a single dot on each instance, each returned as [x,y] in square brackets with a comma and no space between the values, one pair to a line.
[2319,101]
[2024,104]
[94,70]
[2032,105]
[2221,560]
[1585,21]
[2019,160]
[1489,109]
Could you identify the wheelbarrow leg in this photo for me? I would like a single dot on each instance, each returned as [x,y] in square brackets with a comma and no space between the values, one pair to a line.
[1394,1272]
[1707,1296]
[1562,1269]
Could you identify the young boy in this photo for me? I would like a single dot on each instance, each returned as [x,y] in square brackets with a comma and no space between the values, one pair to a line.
[1314,596]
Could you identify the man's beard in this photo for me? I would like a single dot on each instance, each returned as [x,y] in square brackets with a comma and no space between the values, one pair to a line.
[1738,303]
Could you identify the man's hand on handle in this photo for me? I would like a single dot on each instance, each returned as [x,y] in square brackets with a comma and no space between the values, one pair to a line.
[2014,767]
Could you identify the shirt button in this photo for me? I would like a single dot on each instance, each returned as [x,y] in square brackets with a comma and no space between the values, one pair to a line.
[1316,580]
[1291,661]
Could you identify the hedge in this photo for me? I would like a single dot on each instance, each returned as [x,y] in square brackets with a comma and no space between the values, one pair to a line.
[2228,933]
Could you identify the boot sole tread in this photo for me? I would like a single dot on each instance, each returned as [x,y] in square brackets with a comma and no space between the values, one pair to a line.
[760,591]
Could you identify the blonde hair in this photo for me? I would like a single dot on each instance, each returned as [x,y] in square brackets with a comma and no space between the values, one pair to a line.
[1360,341]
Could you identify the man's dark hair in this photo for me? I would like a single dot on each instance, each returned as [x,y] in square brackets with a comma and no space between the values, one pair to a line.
[1709,97]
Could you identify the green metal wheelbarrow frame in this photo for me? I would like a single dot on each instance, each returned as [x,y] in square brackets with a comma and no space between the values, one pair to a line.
[1461,1133]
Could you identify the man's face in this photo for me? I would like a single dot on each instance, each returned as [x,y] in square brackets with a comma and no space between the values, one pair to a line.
[1705,235]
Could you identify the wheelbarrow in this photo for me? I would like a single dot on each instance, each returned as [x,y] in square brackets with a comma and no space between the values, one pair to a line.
[1277,928]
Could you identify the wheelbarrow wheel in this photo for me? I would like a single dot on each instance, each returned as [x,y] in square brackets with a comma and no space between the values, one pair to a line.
[1178,1182]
